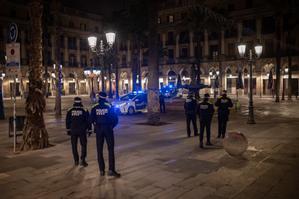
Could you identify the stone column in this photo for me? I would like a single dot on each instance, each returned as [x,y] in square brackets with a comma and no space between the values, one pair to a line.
[66,51]
[240,28]
[129,53]
[191,36]
[206,44]
[177,47]
[53,42]
[78,52]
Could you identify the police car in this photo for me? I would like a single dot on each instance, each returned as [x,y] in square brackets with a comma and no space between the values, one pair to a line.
[131,103]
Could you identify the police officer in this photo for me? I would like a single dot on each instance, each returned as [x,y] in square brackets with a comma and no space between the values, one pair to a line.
[223,103]
[162,103]
[190,111]
[205,112]
[77,125]
[104,120]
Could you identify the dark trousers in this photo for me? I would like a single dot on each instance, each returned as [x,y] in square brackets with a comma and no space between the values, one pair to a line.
[205,125]
[189,119]
[102,134]
[83,142]
[222,121]
[162,108]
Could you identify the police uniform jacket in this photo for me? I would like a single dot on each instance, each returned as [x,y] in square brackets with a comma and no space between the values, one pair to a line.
[205,111]
[77,120]
[223,104]
[190,106]
[103,114]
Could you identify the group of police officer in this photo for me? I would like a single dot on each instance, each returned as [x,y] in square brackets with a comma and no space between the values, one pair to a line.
[205,111]
[79,123]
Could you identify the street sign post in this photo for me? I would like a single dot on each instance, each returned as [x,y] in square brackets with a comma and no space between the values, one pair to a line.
[13,63]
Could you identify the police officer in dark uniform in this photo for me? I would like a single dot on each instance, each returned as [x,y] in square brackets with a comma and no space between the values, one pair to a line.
[162,103]
[205,112]
[104,120]
[223,103]
[77,125]
[190,111]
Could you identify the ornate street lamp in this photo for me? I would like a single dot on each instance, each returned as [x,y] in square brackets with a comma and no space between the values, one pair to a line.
[258,49]
[101,51]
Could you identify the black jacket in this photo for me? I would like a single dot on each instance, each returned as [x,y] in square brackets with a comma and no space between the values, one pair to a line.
[103,114]
[223,104]
[205,111]
[77,120]
[190,106]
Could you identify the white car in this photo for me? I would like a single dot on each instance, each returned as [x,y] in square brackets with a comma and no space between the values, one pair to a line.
[131,103]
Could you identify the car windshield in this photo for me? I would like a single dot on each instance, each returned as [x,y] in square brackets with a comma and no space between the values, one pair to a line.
[128,97]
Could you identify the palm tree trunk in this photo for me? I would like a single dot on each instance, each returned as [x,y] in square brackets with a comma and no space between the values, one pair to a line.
[35,135]
[278,56]
[153,80]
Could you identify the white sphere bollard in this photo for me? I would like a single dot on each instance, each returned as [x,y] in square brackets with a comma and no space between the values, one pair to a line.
[235,144]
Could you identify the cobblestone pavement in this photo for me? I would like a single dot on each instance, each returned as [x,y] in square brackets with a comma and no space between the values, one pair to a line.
[161,162]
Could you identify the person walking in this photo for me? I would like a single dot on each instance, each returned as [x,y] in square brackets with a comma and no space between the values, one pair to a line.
[162,103]
[104,119]
[190,107]
[223,103]
[77,125]
[205,112]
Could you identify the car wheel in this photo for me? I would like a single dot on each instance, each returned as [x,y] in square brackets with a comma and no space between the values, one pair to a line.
[131,110]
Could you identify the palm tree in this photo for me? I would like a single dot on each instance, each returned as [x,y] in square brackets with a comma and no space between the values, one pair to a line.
[35,135]
[58,62]
[292,32]
[153,68]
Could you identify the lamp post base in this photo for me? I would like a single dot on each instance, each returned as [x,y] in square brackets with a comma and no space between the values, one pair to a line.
[250,115]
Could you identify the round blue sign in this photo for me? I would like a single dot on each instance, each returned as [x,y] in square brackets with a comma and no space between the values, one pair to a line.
[13,32]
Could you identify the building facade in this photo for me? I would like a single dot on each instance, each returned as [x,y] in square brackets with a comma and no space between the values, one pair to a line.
[74,28]
[252,22]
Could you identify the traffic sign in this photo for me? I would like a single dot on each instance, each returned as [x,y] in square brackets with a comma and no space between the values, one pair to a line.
[13,32]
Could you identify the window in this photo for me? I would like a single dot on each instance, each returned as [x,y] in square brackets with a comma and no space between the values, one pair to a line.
[83,61]
[183,15]
[72,60]
[170,37]
[124,60]
[72,43]
[159,20]
[231,49]
[268,25]
[213,36]
[184,53]
[83,44]
[213,51]
[249,27]
[184,37]
[170,19]
[170,54]
[269,47]
[62,41]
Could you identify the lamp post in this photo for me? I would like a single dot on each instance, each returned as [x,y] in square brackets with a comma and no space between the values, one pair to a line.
[2,114]
[258,48]
[102,51]
[284,72]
